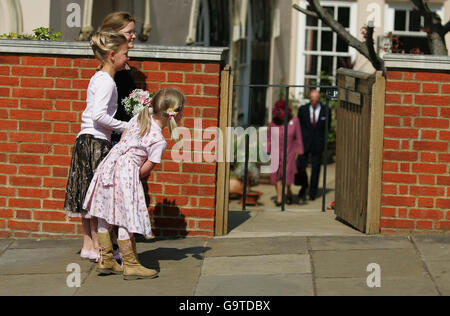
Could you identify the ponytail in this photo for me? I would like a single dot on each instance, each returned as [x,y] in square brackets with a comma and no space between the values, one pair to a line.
[167,103]
[144,121]
[172,126]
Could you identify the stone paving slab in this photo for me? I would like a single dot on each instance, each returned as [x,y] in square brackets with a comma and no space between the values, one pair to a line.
[359,242]
[440,270]
[234,266]
[413,286]
[164,258]
[4,243]
[179,243]
[169,283]
[256,285]
[353,263]
[256,265]
[308,223]
[172,253]
[36,285]
[227,247]
[46,243]
[40,261]
[434,247]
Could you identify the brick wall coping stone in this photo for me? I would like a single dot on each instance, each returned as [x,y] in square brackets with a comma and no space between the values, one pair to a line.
[426,62]
[139,51]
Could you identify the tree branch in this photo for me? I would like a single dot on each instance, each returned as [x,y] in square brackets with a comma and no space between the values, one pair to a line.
[363,48]
[425,11]
[304,11]
[422,6]
[436,31]
[370,42]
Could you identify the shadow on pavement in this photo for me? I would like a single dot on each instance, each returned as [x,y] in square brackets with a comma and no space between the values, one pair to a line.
[237,218]
[150,259]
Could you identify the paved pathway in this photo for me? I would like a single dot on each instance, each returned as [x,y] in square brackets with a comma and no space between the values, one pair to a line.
[304,219]
[265,266]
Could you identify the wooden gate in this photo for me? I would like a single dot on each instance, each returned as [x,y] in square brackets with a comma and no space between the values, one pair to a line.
[223,166]
[359,149]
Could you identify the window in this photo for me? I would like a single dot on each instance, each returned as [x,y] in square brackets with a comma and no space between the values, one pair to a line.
[203,24]
[213,26]
[253,63]
[406,25]
[322,50]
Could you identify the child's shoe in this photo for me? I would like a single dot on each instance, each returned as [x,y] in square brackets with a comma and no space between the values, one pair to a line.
[107,264]
[132,269]
[85,254]
[94,256]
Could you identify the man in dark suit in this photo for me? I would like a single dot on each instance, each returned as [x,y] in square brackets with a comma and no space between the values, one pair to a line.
[312,118]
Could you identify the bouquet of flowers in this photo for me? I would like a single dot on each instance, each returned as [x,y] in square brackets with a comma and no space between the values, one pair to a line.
[137,101]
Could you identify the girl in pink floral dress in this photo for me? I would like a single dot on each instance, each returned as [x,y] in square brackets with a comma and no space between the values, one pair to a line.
[116,195]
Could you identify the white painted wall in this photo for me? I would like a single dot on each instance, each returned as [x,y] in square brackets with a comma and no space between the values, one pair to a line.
[36,13]
[10,16]
[446,19]
[4,23]
[369,10]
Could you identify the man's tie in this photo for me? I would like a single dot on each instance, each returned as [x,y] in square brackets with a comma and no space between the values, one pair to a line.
[314,118]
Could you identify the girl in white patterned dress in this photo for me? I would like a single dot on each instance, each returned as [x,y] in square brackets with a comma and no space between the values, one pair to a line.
[116,195]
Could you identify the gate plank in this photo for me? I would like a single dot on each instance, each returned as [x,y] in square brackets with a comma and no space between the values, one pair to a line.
[221,216]
[376,156]
[353,146]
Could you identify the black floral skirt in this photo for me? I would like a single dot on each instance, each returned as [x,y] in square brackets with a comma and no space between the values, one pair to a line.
[88,153]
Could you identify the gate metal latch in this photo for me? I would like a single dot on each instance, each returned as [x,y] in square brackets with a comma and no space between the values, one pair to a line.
[332,94]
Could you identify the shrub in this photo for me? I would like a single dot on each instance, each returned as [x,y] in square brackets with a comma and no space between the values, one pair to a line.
[40,34]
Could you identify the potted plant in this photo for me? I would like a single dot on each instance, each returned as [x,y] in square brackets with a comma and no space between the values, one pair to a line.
[253,177]
[238,169]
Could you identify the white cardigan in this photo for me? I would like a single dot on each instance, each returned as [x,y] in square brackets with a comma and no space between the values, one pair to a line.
[98,117]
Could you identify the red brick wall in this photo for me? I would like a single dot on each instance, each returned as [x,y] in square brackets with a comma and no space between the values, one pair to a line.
[416,169]
[41,101]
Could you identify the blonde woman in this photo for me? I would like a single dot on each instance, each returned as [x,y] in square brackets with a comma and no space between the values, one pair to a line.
[116,195]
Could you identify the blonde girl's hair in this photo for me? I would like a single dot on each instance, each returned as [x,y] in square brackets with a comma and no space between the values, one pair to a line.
[104,42]
[116,21]
[166,99]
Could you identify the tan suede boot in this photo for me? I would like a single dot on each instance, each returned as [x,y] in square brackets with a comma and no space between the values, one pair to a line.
[133,243]
[132,269]
[107,264]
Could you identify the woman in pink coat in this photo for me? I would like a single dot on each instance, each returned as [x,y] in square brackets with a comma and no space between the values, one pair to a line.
[294,148]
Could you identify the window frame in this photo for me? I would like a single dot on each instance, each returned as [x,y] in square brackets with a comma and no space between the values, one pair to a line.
[389,17]
[301,75]
[203,23]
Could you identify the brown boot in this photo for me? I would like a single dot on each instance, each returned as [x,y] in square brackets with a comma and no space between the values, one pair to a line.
[107,264]
[132,269]
[133,243]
